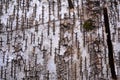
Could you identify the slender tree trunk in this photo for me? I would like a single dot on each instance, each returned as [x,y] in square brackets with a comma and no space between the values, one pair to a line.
[70,4]
[109,43]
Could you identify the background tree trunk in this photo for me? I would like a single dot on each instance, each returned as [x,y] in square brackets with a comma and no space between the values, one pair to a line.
[109,43]
[70,4]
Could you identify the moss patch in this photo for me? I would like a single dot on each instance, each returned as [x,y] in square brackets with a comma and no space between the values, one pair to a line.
[88,25]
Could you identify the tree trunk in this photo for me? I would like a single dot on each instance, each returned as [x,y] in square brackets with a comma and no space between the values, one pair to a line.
[70,4]
[109,43]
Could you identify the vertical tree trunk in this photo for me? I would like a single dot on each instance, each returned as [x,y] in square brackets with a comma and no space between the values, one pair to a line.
[109,43]
[70,4]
